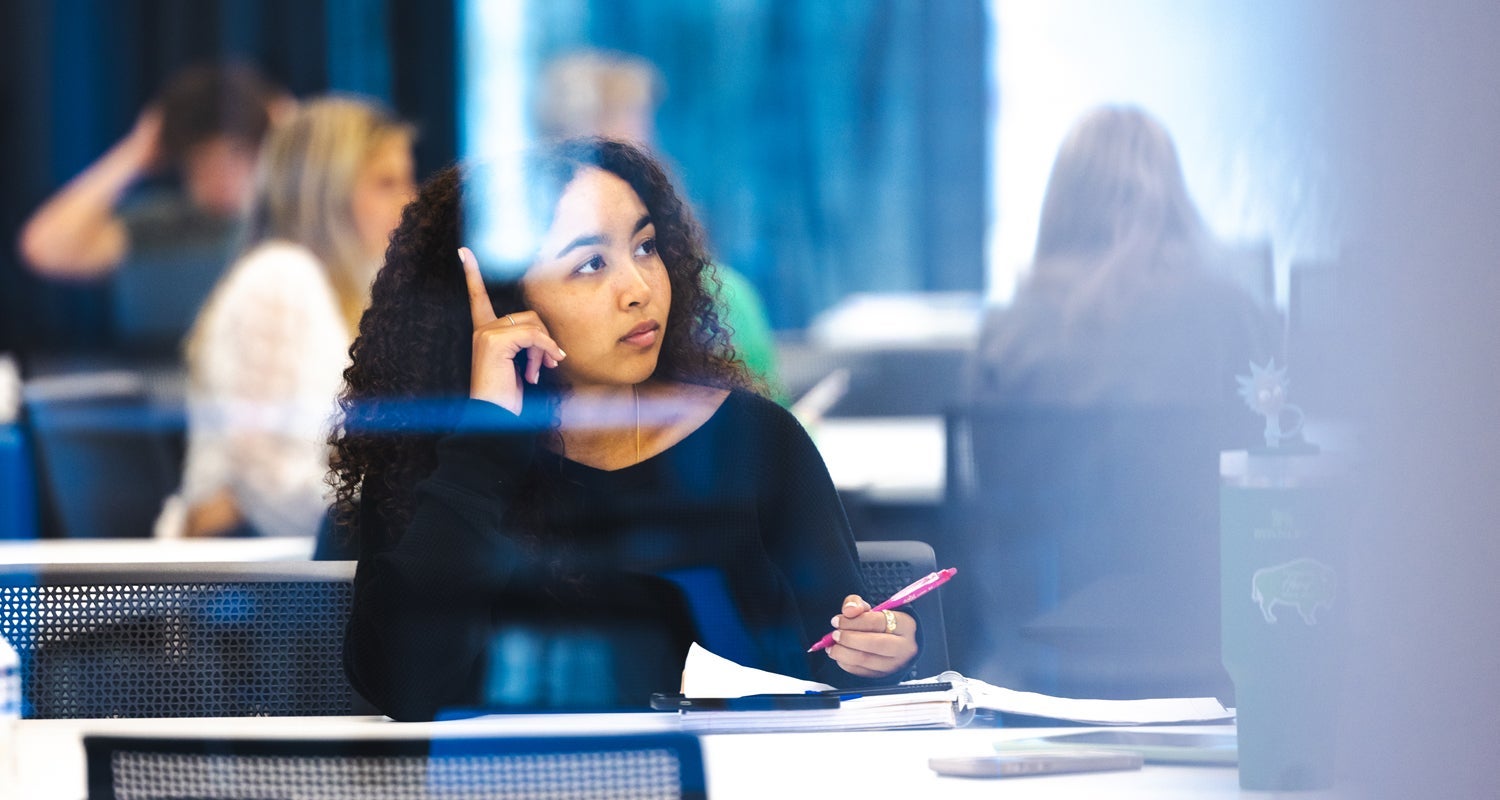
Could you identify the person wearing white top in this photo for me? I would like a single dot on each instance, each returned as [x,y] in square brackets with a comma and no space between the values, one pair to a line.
[267,352]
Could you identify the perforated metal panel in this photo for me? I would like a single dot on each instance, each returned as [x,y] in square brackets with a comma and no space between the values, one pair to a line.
[166,641]
[653,766]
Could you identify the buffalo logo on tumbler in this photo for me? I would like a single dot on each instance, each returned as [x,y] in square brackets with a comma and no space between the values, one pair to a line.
[1305,583]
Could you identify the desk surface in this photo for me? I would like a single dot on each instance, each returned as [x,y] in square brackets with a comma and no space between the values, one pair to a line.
[887,459]
[866,764]
[135,551]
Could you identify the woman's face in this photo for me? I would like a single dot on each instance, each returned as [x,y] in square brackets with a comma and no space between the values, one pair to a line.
[599,284]
[385,184]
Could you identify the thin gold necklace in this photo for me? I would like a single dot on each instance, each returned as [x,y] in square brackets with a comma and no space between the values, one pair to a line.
[637,398]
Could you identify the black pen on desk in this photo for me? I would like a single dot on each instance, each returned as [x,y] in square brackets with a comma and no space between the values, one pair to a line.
[876,691]
[901,598]
[753,702]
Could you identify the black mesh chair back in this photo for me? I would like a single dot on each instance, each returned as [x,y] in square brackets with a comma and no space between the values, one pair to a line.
[180,640]
[251,639]
[889,567]
[636,766]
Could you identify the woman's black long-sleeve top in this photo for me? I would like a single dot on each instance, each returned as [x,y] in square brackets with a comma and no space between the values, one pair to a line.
[740,519]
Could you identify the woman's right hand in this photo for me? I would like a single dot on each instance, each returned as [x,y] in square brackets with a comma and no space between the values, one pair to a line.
[499,341]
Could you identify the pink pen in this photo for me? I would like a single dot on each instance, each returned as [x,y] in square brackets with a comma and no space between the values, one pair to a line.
[901,598]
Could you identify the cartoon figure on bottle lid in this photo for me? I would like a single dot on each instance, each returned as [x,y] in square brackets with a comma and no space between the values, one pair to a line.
[1264,391]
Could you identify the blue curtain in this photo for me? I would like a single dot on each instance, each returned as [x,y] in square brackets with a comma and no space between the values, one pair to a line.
[830,147]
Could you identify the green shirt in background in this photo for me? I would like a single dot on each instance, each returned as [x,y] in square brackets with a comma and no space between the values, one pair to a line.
[741,309]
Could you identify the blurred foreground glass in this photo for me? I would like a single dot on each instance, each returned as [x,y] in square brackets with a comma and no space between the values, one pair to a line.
[1283,618]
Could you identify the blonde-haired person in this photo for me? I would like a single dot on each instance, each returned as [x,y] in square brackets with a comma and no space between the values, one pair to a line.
[1123,304]
[267,352]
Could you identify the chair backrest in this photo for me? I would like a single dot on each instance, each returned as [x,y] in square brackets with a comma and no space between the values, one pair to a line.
[18,517]
[1092,537]
[659,765]
[1250,265]
[156,293]
[1317,337]
[108,451]
[247,639]
[889,567]
[177,640]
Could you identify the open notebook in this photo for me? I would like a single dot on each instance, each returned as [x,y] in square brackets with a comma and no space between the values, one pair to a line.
[708,675]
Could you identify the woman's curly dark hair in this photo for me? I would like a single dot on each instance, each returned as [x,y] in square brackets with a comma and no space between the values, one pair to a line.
[411,360]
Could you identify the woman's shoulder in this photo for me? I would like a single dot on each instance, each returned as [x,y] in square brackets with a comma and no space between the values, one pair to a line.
[756,415]
[736,409]
[281,263]
[277,275]
[274,289]
[747,402]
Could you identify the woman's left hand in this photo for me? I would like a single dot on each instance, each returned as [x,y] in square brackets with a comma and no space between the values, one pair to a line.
[861,644]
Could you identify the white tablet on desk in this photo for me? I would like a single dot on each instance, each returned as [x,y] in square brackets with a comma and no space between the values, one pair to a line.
[1156,747]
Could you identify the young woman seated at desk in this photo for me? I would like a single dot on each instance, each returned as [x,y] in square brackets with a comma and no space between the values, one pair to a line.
[577,452]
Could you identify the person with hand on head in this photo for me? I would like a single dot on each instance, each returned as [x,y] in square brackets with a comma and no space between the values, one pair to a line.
[577,448]
[267,351]
[205,127]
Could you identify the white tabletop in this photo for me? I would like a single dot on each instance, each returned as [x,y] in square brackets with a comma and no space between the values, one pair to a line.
[886,459]
[134,551]
[866,764]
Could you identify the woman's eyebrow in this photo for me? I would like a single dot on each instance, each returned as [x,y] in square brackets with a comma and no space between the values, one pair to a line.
[582,241]
[599,238]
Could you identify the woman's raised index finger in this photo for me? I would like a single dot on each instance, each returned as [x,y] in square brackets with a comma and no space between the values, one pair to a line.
[481,312]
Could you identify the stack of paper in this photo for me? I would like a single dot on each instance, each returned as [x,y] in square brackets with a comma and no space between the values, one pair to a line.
[1096,712]
[709,675]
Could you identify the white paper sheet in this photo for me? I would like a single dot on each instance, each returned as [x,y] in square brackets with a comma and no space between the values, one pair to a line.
[1102,712]
[708,675]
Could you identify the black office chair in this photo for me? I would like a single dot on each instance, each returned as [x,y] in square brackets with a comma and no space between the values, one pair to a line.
[1318,339]
[1250,265]
[629,766]
[890,566]
[108,451]
[180,640]
[157,291]
[1090,538]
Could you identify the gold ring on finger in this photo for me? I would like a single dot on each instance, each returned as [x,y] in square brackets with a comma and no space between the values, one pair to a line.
[511,320]
[890,621]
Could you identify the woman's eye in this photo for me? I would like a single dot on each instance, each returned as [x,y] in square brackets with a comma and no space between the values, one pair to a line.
[645,248]
[594,264]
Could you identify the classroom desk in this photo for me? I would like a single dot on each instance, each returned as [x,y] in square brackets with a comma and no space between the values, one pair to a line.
[866,764]
[136,551]
[902,461]
[893,460]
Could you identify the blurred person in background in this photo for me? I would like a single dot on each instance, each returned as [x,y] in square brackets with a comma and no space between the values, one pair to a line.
[615,95]
[1122,305]
[205,129]
[1094,488]
[266,354]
